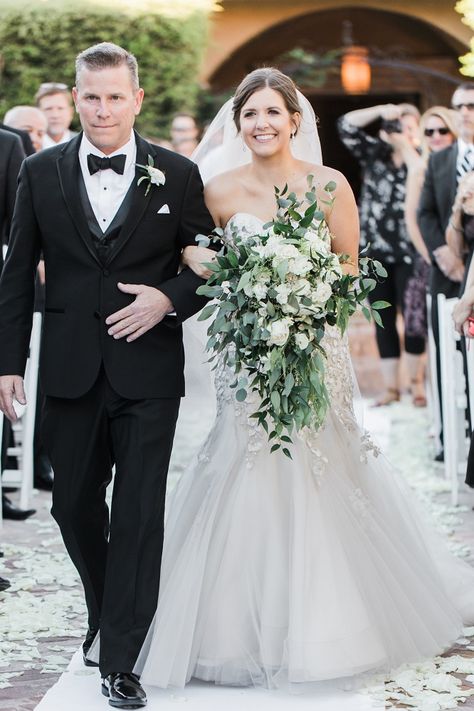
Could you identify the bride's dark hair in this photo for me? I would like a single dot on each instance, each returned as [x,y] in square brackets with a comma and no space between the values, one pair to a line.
[260,79]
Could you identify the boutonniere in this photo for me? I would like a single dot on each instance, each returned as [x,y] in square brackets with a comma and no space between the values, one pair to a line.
[153,176]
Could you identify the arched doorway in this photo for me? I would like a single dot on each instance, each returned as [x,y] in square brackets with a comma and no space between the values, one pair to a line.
[394,39]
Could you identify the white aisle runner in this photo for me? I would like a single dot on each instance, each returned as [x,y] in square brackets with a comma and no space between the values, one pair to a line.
[78,689]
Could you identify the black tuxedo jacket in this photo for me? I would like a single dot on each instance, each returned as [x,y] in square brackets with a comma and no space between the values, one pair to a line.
[24,137]
[81,292]
[11,157]
[437,197]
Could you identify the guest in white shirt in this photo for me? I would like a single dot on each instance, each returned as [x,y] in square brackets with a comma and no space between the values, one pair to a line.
[55,101]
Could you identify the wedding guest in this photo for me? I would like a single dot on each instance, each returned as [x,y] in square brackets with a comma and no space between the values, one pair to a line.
[438,130]
[11,158]
[184,134]
[444,170]
[55,101]
[24,138]
[460,229]
[383,227]
[31,120]
[463,310]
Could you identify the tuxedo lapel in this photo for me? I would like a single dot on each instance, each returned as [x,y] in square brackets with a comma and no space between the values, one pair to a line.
[69,172]
[138,202]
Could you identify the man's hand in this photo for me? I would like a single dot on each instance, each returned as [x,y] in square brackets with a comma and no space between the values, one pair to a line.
[11,387]
[149,308]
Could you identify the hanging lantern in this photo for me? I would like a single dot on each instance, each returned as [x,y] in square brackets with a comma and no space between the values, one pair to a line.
[355,70]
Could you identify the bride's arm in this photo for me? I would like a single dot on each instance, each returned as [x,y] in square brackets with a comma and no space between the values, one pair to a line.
[343,222]
[195,257]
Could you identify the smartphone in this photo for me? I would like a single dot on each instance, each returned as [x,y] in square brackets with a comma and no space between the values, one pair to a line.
[394,126]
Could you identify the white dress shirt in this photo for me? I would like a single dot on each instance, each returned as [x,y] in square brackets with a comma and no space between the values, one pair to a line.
[49,143]
[106,189]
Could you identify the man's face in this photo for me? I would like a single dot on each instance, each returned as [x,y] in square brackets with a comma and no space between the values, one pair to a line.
[107,105]
[58,111]
[183,128]
[463,104]
[34,122]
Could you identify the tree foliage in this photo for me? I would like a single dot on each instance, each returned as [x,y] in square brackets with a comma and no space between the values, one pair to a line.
[40,44]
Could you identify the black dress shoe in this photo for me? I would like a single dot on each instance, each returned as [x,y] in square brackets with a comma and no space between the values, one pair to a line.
[440,456]
[86,645]
[4,584]
[124,691]
[13,512]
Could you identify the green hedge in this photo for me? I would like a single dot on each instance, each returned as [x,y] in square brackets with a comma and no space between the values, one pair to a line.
[38,45]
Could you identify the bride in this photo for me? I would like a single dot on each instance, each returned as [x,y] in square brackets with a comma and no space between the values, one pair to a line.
[320,567]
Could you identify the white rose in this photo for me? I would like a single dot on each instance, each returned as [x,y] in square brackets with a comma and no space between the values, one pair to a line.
[248,290]
[157,177]
[316,243]
[284,252]
[260,291]
[225,286]
[282,293]
[302,341]
[300,266]
[279,332]
[321,293]
[302,287]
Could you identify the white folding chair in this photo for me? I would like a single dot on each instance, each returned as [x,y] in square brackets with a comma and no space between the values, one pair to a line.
[453,392]
[24,428]
[432,391]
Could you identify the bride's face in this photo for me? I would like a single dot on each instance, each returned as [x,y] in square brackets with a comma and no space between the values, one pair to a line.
[265,123]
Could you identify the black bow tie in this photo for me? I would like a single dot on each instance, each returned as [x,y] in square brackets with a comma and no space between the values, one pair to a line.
[96,163]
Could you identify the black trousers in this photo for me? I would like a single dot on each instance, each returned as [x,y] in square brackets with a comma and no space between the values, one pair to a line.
[118,556]
[393,289]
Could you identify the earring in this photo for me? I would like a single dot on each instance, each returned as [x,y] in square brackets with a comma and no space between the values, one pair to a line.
[292,135]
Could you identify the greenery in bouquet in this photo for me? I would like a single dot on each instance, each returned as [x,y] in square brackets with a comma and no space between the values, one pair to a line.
[274,293]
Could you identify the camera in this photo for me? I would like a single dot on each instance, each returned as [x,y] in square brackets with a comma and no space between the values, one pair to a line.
[394,126]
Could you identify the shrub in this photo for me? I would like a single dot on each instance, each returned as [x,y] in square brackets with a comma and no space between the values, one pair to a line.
[40,44]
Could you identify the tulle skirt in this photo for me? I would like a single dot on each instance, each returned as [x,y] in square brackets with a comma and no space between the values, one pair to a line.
[316,568]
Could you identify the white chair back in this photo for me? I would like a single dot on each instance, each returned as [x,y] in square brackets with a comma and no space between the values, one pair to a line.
[453,393]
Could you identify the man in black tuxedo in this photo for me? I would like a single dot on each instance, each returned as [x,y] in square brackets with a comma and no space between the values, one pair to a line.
[23,136]
[439,190]
[112,353]
[11,158]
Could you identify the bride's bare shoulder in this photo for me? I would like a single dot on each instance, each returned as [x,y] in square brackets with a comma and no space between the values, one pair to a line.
[221,184]
[323,175]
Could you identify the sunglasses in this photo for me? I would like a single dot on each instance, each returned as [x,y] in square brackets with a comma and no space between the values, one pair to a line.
[443,131]
[458,107]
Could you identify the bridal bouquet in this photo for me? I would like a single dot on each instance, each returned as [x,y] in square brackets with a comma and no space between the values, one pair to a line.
[273,295]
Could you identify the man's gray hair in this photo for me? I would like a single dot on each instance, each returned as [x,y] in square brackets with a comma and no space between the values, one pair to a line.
[105,55]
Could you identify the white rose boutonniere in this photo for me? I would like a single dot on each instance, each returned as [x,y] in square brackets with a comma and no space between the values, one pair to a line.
[153,175]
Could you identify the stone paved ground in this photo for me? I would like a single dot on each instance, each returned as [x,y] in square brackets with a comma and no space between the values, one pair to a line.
[42,615]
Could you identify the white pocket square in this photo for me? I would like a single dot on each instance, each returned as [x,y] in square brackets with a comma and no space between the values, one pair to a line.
[164,210]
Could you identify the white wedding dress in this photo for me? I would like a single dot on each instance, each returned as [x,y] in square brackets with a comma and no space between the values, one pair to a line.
[277,571]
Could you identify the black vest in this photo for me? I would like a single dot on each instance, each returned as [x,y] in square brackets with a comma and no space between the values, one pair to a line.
[103,242]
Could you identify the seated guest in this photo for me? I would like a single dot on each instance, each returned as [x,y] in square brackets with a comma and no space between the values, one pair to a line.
[29,119]
[55,101]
